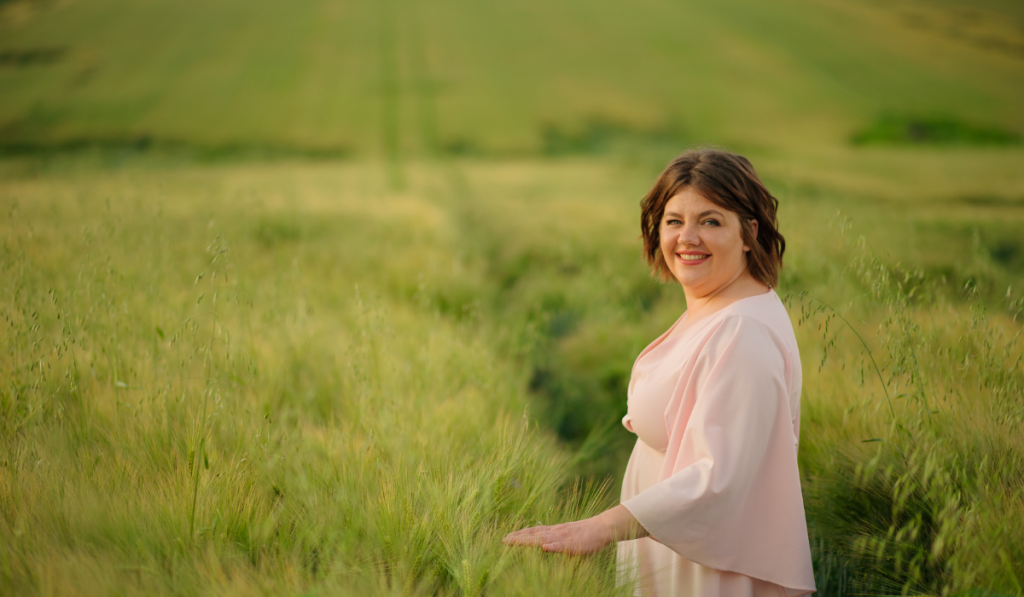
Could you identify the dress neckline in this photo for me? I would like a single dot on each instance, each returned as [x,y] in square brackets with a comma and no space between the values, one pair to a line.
[665,336]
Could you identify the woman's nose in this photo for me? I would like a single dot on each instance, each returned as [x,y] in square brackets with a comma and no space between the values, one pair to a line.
[688,236]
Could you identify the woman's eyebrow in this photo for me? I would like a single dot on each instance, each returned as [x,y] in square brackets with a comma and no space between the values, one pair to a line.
[701,215]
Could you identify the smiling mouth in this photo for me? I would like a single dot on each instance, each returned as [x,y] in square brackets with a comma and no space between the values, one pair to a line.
[692,258]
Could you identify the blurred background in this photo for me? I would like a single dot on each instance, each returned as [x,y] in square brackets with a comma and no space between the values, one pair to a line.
[824,80]
[429,205]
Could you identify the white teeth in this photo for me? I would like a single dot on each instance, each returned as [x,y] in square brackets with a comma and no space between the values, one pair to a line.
[692,257]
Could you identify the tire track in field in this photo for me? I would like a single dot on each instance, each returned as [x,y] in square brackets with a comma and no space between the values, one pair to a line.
[390,92]
[458,197]
[424,84]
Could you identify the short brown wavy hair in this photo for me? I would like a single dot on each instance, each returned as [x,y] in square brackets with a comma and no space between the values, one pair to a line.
[729,181]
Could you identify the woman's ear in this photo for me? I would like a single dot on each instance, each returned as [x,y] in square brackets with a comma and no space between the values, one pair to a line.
[753,230]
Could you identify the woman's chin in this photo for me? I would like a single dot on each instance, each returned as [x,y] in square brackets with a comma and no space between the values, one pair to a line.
[690,282]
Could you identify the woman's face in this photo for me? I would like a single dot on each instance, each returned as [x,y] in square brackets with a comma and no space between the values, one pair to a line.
[702,243]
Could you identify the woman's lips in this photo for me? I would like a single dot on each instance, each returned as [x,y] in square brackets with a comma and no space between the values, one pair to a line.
[692,258]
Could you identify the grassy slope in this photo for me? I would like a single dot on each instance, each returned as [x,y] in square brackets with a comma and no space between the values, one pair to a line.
[500,275]
[299,417]
[479,280]
[790,75]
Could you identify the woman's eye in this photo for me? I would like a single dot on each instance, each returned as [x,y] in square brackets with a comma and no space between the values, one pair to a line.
[711,222]
[672,222]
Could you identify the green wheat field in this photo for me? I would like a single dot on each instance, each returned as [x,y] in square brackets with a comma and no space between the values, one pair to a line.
[323,297]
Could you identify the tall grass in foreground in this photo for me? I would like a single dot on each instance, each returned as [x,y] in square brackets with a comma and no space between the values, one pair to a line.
[181,421]
[290,380]
[929,500]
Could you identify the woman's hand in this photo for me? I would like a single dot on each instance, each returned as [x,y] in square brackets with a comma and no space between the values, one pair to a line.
[577,538]
[583,536]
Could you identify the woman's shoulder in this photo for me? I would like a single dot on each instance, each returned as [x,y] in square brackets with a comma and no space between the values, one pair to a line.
[767,307]
[762,316]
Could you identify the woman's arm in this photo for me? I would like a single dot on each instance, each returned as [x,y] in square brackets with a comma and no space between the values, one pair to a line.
[583,536]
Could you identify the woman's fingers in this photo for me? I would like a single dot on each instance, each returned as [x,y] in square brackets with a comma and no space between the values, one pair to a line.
[531,530]
[530,536]
[538,536]
[571,537]
[582,537]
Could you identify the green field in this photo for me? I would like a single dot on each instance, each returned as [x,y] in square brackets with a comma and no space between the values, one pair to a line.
[325,297]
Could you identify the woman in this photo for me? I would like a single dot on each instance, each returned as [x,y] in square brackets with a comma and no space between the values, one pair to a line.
[711,502]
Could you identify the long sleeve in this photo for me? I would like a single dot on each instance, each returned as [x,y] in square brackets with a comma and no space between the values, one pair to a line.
[730,494]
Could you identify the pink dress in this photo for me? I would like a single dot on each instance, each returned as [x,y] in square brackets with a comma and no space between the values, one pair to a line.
[713,477]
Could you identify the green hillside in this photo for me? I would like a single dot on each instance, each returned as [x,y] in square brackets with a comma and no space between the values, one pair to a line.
[325,297]
[368,77]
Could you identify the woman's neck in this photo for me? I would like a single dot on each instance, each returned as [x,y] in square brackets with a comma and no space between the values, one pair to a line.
[700,306]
